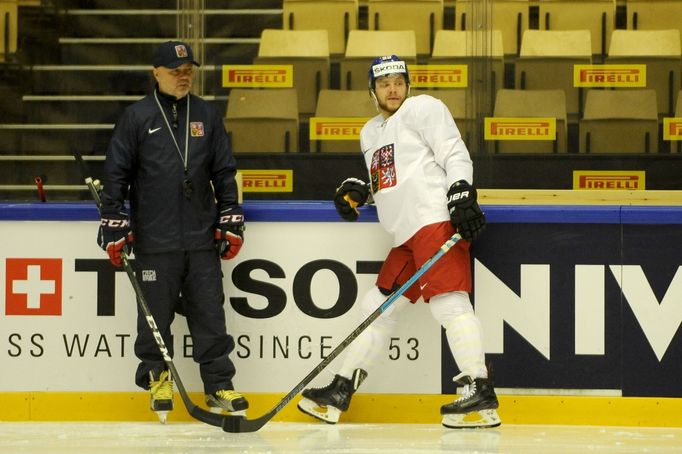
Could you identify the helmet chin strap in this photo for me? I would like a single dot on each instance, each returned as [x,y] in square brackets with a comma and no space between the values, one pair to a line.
[376,101]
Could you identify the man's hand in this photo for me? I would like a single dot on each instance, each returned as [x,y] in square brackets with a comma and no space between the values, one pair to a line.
[114,235]
[351,194]
[465,214]
[229,233]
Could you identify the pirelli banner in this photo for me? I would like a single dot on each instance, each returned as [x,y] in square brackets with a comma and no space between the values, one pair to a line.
[580,300]
[270,180]
[609,76]
[336,128]
[257,76]
[520,128]
[672,129]
[439,76]
[632,180]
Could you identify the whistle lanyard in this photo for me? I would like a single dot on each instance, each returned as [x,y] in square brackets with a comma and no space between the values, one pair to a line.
[177,147]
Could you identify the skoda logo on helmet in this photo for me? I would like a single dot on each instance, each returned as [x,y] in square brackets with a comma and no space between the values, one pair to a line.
[384,66]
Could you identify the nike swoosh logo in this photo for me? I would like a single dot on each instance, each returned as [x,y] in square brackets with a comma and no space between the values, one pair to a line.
[421,287]
[152,131]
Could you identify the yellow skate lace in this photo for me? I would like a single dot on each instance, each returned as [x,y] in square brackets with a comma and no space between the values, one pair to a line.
[163,388]
[228,394]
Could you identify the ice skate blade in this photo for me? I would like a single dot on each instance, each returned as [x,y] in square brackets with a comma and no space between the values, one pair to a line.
[163,416]
[220,410]
[330,415]
[475,420]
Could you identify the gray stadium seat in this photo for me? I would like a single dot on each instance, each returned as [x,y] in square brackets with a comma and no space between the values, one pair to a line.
[308,52]
[532,103]
[463,47]
[262,120]
[424,17]
[8,25]
[546,62]
[342,103]
[338,17]
[511,17]
[619,121]
[598,16]
[660,51]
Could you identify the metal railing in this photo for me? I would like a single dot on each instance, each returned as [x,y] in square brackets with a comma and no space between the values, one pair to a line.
[190,27]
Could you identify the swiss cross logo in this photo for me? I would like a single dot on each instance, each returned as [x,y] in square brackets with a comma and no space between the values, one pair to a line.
[33,287]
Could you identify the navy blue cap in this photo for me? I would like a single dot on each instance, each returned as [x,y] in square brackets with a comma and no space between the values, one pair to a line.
[172,54]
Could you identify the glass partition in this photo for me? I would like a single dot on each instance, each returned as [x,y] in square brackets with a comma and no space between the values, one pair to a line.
[555,94]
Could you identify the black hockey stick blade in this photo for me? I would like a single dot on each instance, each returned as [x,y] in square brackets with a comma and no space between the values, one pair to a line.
[239,424]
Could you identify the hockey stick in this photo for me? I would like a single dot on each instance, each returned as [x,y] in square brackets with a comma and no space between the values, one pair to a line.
[238,424]
[196,412]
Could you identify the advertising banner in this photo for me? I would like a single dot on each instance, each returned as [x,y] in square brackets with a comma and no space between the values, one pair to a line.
[577,300]
[67,319]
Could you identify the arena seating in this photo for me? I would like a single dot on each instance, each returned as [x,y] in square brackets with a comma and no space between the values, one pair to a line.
[532,103]
[338,17]
[424,17]
[511,17]
[598,16]
[457,47]
[263,120]
[660,51]
[619,121]
[8,28]
[654,14]
[69,78]
[308,52]
[342,103]
[546,62]
[365,45]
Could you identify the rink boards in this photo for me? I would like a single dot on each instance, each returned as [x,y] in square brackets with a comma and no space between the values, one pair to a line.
[580,307]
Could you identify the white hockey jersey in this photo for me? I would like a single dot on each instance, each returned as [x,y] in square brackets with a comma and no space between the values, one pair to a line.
[413,157]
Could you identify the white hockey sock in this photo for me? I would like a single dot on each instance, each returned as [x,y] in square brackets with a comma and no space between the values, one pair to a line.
[368,346]
[463,331]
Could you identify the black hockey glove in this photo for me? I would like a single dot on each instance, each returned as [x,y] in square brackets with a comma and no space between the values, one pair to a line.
[465,214]
[352,193]
[114,234]
[229,232]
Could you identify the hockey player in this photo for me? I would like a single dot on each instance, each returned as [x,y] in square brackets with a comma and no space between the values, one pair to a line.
[421,181]
[170,156]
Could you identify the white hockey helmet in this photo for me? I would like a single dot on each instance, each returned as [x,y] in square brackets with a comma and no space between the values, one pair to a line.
[387,65]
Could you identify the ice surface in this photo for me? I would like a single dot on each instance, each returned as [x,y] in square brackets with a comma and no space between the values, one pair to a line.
[304,438]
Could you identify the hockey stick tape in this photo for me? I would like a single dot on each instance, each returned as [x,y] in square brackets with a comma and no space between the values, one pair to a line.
[353,204]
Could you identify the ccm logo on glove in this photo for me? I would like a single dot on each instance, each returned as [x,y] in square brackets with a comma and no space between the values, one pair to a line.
[229,233]
[114,235]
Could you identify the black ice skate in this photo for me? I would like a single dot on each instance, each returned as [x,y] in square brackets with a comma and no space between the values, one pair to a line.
[227,400]
[475,408]
[161,393]
[326,404]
